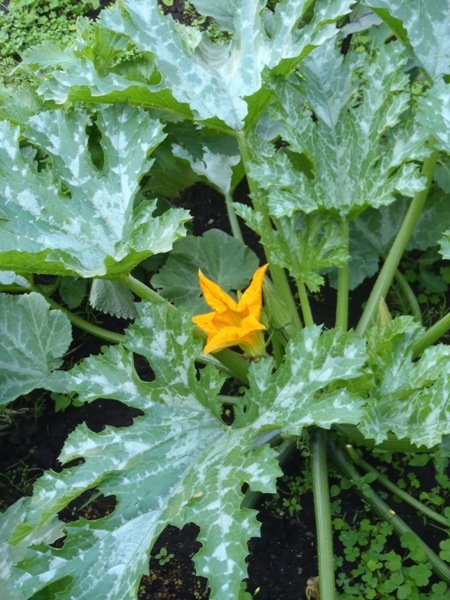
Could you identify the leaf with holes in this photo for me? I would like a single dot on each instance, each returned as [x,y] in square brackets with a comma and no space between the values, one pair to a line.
[178,462]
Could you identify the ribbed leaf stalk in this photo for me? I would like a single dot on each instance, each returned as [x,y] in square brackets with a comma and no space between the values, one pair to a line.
[324,533]
[387,273]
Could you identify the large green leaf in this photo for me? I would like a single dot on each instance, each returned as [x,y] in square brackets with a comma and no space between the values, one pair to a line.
[213,78]
[33,339]
[178,462]
[74,217]
[102,67]
[410,399]
[342,156]
[427,25]
[216,254]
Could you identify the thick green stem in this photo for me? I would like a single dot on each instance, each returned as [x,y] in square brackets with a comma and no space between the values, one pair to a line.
[142,291]
[277,348]
[318,446]
[232,218]
[343,286]
[387,272]
[304,303]
[384,511]
[409,295]
[95,330]
[235,362]
[278,276]
[387,483]
[435,332]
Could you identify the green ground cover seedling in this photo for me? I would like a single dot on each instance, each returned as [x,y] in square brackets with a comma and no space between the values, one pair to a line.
[371,562]
[26,23]
[163,556]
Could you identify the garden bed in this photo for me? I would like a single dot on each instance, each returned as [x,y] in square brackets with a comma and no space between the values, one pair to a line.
[115,168]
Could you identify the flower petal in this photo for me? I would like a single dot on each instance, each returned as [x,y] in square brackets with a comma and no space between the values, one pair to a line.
[214,295]
[252,297]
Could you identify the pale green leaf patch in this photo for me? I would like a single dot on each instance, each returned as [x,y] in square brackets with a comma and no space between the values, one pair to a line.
[75,216]
[13,549]
[216,167]
[178,462]
[10,278]
[434,114]
[445,245]
[33,339]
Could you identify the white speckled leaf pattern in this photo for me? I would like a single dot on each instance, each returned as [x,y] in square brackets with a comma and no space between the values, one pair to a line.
[434,114]
[214,78]
[216,167]
[33,339]
[354,164]
[11,554]
[410,399]
[427,24]
[177,463]
[72,217]
[305,245]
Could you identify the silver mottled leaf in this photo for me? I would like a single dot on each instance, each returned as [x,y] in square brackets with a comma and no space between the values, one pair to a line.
[178,462]
[33,339]
[74,217]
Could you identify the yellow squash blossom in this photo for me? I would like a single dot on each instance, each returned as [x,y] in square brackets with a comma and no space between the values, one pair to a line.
[233,323]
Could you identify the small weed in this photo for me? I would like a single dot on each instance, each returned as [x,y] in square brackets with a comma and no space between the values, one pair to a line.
[25,24]
[164,557]
[371,563]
